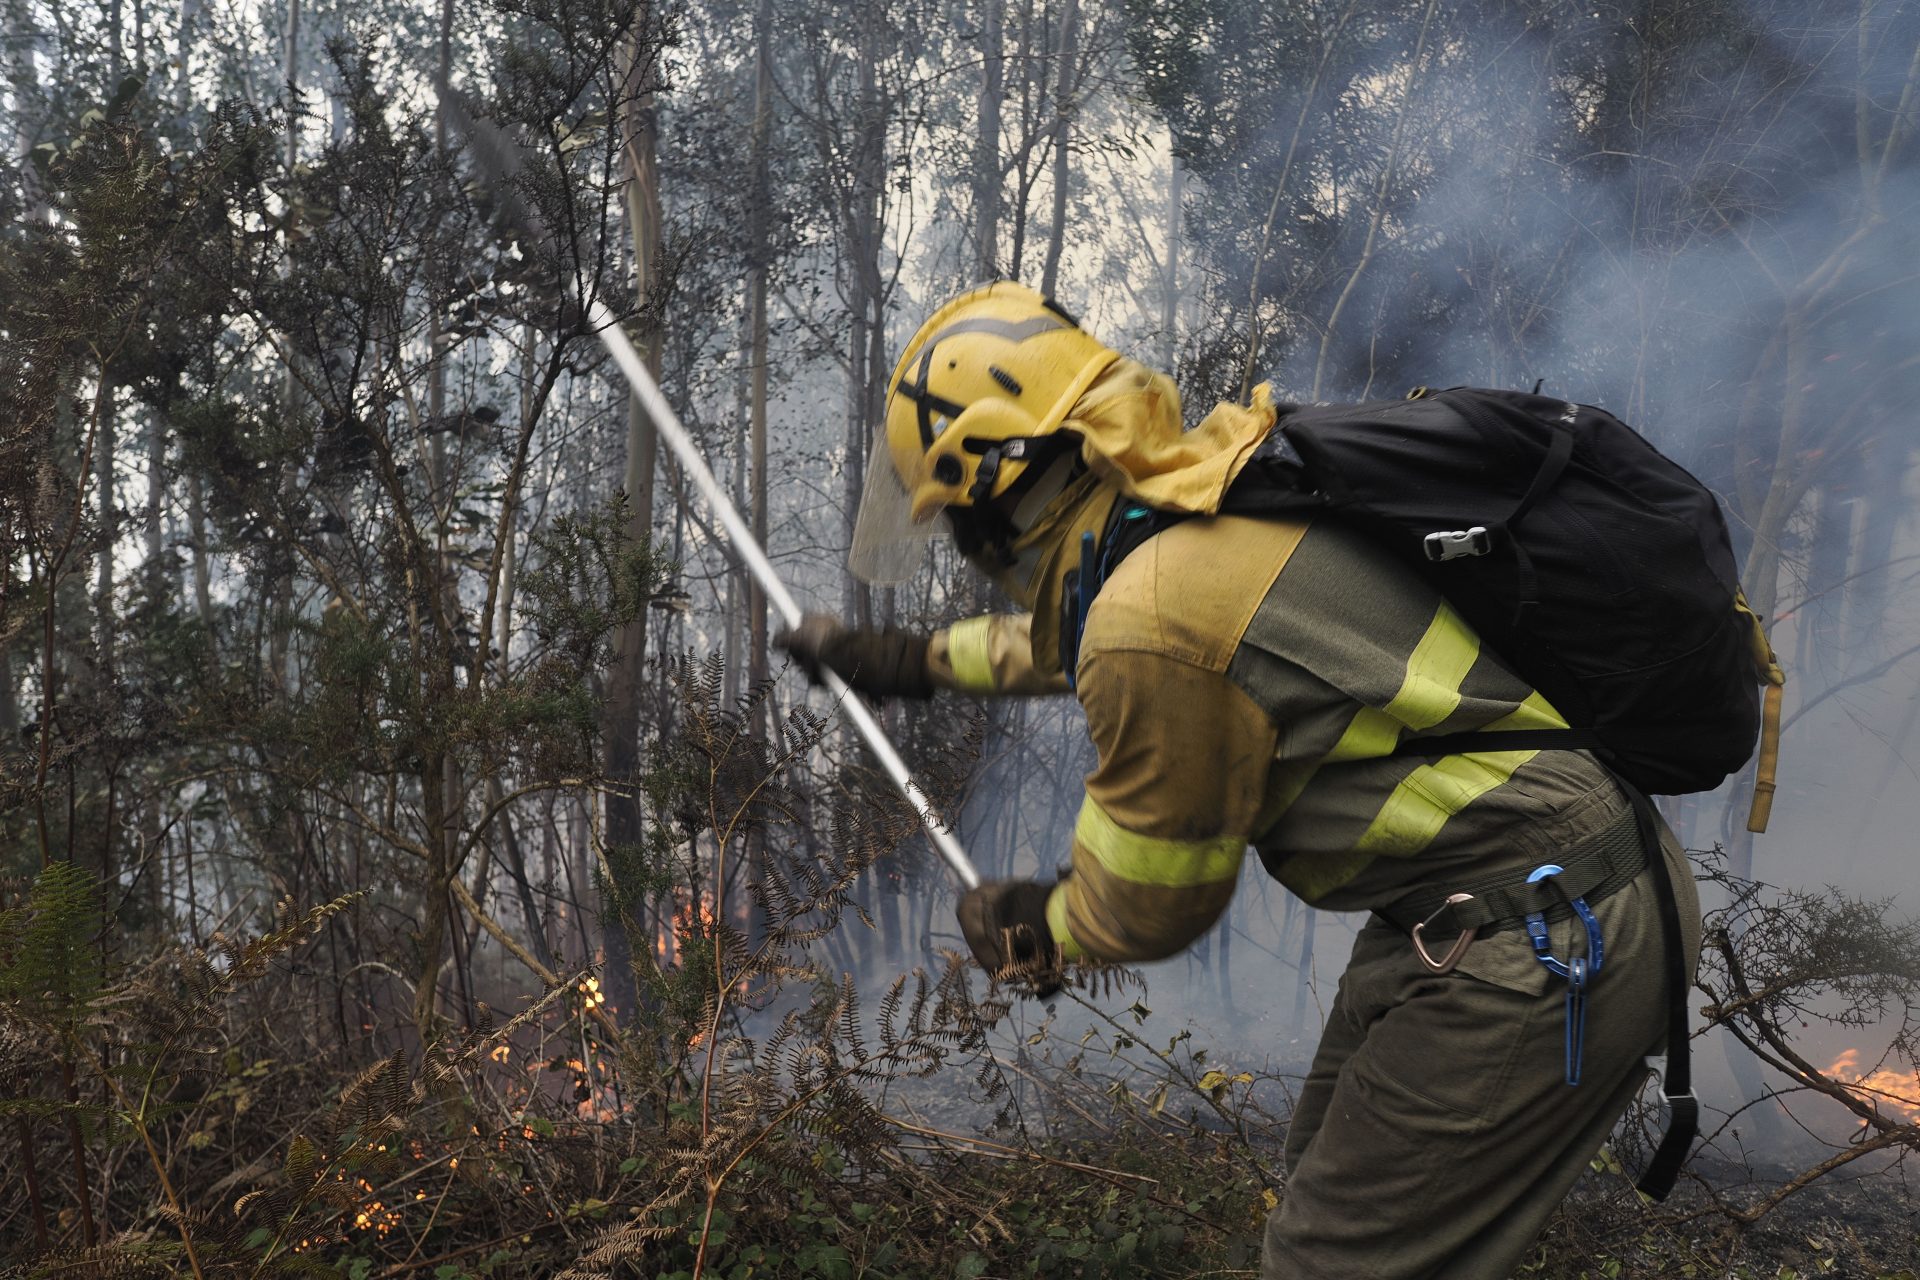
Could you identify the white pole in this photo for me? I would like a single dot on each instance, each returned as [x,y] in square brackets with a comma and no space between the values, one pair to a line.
[667,423]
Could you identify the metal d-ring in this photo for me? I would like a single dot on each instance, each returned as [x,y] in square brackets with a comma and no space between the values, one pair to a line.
[1446,962]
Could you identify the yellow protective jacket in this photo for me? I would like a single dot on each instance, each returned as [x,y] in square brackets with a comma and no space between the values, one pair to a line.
[1245,682]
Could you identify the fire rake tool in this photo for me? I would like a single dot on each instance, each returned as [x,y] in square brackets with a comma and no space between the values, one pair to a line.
[744,546]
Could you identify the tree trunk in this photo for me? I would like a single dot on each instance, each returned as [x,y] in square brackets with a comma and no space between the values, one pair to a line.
[19,49]
[627,675]
[183,71]
[155,580]
[759,232]
[987,172]
[439,783]
[861,234]
[281,594]
[1063,106]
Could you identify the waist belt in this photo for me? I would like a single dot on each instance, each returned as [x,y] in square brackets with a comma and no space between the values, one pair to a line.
[1593,869]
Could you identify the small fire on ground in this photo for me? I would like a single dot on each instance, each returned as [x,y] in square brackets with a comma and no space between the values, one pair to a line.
[1897,1092]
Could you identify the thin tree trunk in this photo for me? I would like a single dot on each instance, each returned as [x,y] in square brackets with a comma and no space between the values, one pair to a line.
[106,448]
[30,1172]
[1304,969]
[202,569]
[733,604]
[434,901]
[1016,256]
[1170,298]
[9,700]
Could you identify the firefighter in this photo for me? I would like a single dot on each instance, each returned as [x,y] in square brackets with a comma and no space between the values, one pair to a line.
[1246,682]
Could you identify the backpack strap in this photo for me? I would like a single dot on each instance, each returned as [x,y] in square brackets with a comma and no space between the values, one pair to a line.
[1767,666]
[1473,740]
[1683,1107]
[1129,524]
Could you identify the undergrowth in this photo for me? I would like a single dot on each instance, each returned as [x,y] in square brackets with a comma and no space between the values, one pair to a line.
[759,1114]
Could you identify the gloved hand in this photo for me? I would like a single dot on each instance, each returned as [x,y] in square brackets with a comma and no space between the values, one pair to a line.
[1005,924]
[885,664]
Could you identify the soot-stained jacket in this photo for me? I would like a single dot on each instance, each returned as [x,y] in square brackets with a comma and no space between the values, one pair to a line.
[1245,682]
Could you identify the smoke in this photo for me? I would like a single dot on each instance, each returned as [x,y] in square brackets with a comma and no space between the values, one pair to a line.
[1704,218]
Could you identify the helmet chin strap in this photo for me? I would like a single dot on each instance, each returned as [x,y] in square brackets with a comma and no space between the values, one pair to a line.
[989,530]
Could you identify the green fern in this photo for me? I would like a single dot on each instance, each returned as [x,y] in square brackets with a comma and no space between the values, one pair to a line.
[48,964]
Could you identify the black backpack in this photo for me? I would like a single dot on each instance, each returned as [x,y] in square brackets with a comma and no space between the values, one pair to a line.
[1594,564]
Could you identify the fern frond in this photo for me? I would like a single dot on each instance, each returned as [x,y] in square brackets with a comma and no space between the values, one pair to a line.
[47,957]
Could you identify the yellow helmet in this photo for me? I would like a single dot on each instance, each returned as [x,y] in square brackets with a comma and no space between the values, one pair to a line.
[974,400]
[979,388]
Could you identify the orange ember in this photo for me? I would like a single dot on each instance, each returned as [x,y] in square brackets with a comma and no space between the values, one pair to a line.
[1895,1091]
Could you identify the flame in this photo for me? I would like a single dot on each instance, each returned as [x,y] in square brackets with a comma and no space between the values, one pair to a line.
[1896,1091]
[373,1215]
[692,919]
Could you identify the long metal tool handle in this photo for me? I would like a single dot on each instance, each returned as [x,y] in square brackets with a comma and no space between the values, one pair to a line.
[667,423]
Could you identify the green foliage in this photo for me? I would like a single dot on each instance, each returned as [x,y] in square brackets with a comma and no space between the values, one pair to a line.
[590,577]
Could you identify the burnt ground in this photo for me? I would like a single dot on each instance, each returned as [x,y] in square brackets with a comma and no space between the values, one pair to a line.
[1855,1223]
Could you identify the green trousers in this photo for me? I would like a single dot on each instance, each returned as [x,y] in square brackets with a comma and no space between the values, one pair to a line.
[1436,1132]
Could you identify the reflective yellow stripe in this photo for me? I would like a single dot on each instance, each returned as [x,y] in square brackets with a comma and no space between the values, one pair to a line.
[970,654]
[1371,734]
[1439,664]
[1420,806]
[1171,864]
[1428,694]
[1057,924]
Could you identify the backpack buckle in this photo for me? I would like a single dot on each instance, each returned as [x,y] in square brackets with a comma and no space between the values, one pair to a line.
[1451,544]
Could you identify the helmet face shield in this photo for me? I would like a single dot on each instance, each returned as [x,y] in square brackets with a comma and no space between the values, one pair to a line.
[978,396]
[888,543]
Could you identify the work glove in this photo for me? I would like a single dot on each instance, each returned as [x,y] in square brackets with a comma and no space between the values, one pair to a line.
[1005,924]
[883,664]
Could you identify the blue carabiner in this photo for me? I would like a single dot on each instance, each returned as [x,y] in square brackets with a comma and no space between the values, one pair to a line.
[1578,971]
